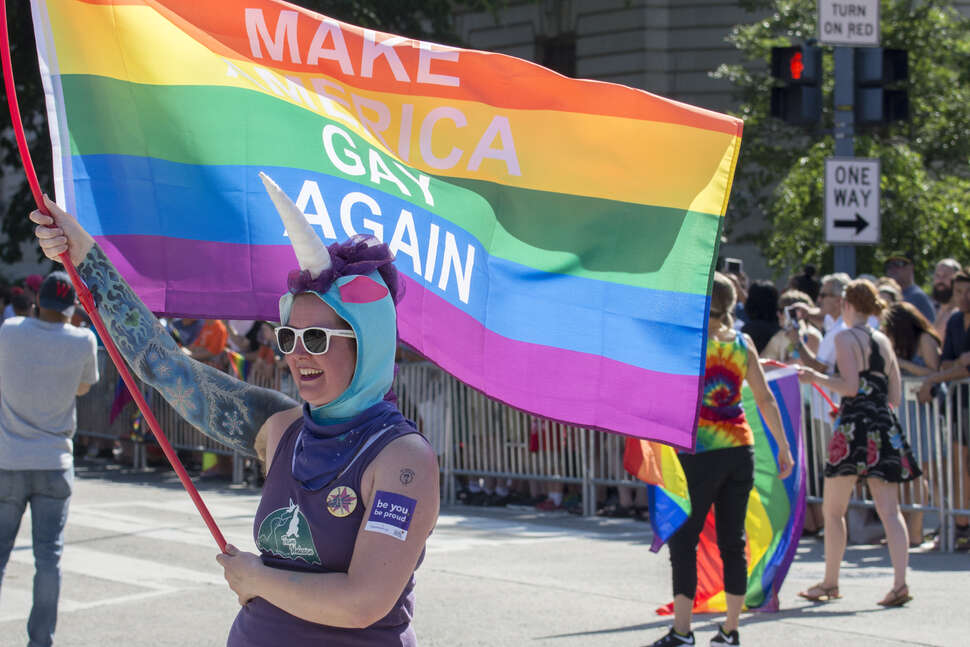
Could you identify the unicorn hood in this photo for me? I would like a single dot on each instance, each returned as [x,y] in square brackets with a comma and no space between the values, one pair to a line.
[356,278]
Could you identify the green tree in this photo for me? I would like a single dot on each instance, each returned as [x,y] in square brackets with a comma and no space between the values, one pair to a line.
[925,208]
[423,19]
[30,94]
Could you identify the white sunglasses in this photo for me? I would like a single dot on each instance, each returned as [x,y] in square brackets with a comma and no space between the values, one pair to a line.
[316,339]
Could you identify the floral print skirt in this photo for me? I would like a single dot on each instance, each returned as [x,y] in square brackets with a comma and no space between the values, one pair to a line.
[868,440]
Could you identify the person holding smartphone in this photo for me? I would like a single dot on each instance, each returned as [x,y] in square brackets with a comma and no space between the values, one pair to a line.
[795,330]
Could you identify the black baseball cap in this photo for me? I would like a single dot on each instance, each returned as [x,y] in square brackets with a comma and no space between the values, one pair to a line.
[56,292]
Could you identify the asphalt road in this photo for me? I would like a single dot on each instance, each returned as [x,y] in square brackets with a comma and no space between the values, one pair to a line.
[139,570]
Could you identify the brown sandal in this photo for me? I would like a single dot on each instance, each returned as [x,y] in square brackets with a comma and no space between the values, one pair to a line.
[896,597]
[819,593]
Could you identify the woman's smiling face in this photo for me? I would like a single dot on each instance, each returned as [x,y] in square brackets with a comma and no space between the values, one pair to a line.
[321,378]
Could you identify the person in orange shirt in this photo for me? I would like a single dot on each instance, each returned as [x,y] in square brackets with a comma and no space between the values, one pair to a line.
[213,337]
[203,339]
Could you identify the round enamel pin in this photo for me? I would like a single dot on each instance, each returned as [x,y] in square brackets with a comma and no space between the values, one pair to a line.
[341,501]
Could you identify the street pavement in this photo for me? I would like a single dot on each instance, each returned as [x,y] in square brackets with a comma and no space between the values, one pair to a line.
[139,570]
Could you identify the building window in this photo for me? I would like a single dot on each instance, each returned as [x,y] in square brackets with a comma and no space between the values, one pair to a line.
[558,53]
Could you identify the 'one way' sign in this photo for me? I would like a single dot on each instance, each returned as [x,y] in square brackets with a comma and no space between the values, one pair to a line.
[852,200]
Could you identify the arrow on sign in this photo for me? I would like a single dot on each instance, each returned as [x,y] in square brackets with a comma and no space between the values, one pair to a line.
[859,223]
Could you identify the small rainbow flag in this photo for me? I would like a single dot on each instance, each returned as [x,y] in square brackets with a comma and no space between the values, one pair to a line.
[776,508]
[238,364]
[557,236]
[121,398]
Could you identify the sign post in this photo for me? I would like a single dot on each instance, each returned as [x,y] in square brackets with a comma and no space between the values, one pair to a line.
[846,24]
[852,201]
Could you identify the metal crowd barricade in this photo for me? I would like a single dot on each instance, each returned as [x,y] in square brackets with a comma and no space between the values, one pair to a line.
[606,467]
[478,437]
[93,420]
[956,444]
[475,436]
[94,408]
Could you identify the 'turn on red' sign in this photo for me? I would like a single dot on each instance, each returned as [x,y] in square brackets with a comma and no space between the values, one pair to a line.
[853,23]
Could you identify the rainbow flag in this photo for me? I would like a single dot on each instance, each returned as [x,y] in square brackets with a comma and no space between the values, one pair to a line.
[776,508]
[238,364]
[668,497]
[557,236]
[121,398]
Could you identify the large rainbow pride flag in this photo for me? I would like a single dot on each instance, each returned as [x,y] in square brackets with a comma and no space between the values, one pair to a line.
[557,236]
[776,508]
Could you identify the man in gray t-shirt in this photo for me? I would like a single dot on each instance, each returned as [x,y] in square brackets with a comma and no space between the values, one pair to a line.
[44,364]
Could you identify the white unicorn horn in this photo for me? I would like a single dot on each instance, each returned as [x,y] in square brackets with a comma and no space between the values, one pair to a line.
[311,253]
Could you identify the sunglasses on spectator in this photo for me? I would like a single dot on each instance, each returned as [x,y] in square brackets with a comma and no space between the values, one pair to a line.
[829,294]
[316,339]
[896,264]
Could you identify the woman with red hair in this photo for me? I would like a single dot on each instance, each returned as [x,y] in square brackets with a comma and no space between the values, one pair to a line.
[867,441]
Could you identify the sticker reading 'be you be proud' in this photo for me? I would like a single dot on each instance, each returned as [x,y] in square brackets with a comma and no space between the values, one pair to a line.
[391,514]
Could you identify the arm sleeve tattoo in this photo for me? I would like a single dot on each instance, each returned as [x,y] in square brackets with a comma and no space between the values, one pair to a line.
[220,406]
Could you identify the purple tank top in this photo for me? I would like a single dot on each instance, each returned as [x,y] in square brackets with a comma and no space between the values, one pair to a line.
[315,531]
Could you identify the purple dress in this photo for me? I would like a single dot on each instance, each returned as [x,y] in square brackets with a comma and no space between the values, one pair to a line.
[315,531]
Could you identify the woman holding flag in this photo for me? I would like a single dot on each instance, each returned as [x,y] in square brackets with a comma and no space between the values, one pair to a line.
[721,472]
[351,490]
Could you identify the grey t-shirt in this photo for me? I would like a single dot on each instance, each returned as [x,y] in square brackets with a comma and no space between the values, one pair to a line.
[42,364]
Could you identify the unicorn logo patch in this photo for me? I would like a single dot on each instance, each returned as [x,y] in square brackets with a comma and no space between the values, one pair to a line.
[285,533]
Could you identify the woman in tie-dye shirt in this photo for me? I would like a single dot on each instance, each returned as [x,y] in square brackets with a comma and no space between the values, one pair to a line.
[721,472]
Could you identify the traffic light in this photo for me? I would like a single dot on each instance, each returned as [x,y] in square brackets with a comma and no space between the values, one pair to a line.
[880,92]
[799,100]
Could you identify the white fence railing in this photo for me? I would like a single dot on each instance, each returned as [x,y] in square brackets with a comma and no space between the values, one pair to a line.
[475,436]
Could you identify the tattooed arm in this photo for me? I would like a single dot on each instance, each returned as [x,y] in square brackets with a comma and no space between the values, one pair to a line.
[221,407]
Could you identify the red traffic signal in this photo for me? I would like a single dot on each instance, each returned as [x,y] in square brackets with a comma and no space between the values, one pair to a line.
[798,98]
[796,66]
[801,64]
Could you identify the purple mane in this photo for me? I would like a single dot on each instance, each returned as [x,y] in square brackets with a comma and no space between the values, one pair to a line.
[361,254]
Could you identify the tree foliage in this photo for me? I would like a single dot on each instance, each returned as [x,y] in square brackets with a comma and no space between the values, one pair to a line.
[30,95]
[925,162]
[423,19]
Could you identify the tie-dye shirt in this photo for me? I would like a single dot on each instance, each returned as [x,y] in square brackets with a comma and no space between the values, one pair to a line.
[722,423]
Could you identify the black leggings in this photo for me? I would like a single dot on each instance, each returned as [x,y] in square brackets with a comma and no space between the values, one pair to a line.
[723,477]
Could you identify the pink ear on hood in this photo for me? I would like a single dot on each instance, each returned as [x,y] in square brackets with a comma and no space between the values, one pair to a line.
[362,290]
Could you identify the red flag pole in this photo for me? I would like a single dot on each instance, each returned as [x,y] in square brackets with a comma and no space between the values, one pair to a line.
[87,301]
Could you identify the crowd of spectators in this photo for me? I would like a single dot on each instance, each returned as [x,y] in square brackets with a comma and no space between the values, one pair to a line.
[795,325]
[929,333]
